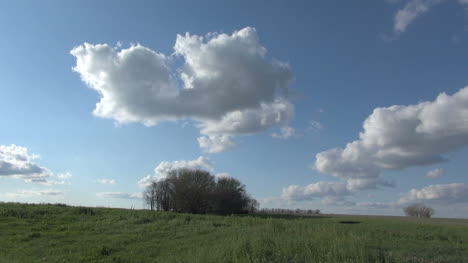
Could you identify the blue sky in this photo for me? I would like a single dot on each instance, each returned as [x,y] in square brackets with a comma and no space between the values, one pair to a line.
[274,93]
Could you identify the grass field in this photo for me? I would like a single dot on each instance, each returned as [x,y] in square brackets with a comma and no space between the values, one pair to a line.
[53,233]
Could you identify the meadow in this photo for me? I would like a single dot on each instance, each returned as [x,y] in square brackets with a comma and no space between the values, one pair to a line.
[58,233]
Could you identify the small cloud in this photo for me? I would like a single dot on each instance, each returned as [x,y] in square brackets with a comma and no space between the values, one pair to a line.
[121,195]
[164,167]
[215,143]
[222,175]
[315,190]
[29,193]
[285,133]
[66,175]
[412,10]
[435,173]
[106,181]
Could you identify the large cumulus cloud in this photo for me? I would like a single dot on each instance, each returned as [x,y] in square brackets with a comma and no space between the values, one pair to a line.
[226,83]
[399,137]
[393,138]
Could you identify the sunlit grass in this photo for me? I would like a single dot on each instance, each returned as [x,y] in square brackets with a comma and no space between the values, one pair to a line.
[51,233]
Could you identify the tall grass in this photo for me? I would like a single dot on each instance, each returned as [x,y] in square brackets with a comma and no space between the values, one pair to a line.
[52,233]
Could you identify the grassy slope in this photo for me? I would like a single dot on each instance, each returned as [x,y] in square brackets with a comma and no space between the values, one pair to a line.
[49,233]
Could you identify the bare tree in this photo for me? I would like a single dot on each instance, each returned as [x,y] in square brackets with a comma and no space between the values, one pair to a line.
[418,210]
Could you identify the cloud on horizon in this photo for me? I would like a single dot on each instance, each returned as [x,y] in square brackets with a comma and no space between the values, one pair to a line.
[164,167]
[16,162]
[438,194]
[393,138]
[121,195]
[35,192]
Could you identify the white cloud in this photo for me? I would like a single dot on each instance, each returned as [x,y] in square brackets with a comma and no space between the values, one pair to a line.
[439,193]
[285,132]
[106,181]
[66,175]
[164,167]
[222,175]
[250,121]
[229,87]
[398,137]
[435,173]
[215,143]
[119,195]
[311,191]
[15,161]
[412,10]
[30,193]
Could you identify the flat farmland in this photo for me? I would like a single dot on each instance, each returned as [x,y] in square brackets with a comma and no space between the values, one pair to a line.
[55,233]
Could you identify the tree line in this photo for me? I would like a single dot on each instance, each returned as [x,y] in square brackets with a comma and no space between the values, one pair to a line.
[289,211]
[199,192]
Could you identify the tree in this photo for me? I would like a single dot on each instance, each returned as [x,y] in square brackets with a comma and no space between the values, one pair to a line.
[149,195]
[229,196]
[191,190]
[252,205]
[418,210]
[197,191]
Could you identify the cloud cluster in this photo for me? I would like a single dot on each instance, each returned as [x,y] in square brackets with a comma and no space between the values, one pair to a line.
[227,84]
[398,137]
[439,193]
[164,167]
[121,195]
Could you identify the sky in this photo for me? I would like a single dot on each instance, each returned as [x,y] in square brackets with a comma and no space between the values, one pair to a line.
[344,106]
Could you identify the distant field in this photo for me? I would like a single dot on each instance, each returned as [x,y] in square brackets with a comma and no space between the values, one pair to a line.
[51,233]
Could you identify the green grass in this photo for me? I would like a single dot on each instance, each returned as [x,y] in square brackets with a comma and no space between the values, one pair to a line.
[53,233]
